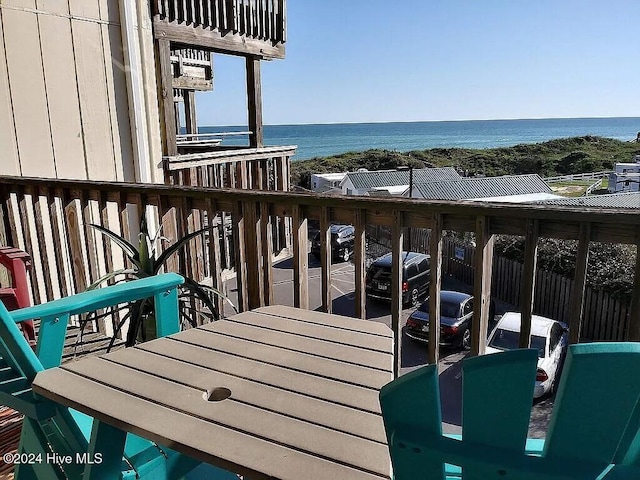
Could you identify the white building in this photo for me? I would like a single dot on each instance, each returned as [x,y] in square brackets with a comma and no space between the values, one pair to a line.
[626,177]
[323,182]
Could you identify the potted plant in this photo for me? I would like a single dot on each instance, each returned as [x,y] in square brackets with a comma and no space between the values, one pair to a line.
[144,263]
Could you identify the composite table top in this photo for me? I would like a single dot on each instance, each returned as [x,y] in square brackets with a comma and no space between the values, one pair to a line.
[277,392]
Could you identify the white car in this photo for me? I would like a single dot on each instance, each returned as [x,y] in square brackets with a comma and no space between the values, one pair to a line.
[548,336]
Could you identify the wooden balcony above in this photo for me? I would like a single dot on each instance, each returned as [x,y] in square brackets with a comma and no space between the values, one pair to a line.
[246,27]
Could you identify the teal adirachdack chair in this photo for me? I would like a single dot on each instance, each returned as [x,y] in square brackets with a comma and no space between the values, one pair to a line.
[49,427]
[593,432]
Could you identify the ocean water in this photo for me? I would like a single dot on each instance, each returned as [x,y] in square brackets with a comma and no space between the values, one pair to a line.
[320,140]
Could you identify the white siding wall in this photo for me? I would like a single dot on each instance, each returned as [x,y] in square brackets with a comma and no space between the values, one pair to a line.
[64,110]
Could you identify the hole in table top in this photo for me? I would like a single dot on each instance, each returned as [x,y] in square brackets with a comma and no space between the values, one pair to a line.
[217,394]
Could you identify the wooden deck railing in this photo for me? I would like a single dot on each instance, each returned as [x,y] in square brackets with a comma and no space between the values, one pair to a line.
[260,21]
[47,218]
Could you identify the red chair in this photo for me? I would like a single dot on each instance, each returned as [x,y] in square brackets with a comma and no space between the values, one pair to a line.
[17,295]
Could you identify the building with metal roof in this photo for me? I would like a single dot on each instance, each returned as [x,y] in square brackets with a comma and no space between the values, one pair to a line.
[629,200]
[508,188]
[360,183]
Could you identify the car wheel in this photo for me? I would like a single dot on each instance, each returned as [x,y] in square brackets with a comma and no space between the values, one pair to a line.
[346,255]
[465,343]
[414,297]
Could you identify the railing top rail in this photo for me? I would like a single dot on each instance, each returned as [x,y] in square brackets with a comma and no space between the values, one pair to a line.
[622,224]
[230,154]
[212,134]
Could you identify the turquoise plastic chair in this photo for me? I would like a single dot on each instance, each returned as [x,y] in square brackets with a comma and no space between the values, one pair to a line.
[593,432]
[50,427]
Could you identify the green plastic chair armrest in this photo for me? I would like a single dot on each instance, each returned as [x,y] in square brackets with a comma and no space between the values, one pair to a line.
[102,297]
[54,316]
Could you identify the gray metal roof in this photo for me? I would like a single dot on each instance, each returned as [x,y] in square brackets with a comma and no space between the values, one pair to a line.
[389,178]
[484,187]
[613,200]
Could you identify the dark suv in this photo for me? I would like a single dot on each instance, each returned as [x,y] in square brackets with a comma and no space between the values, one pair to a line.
[342,239]
[415,277]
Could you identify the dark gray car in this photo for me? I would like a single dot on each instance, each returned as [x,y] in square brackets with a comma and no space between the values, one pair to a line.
[456,312]
[415,277]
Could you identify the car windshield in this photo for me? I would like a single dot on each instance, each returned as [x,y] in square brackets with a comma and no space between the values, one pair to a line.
[509,340]
[446,309]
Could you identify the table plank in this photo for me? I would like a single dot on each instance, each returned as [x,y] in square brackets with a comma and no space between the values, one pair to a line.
[271,426]
[321,412]
[313,346]
[273,375]
[302,362]
[311,316]
[313,330]
[225,447]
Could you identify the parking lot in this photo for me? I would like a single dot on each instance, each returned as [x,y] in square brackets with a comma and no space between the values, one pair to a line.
[413,354]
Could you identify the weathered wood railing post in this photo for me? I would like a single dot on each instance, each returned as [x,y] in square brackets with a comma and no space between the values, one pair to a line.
[325,259]
[359,263]
[579,284]
[528,282]
[435,260]
[240,251]
[482,285]
[253,251]
[300,259]
[397,267]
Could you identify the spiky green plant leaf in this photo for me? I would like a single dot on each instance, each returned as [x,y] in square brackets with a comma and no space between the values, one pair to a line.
[175,247]
[129,249]
[110,275]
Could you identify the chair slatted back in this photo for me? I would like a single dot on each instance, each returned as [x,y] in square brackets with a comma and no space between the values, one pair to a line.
[595,401]
[594,426]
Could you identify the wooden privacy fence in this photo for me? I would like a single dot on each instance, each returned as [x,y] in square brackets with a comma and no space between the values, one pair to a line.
[605,317]
[48,218]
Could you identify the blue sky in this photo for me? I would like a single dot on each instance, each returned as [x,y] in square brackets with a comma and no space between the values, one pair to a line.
[376,61]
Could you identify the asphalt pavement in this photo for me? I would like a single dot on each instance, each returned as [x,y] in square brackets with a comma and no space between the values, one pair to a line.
[413,354]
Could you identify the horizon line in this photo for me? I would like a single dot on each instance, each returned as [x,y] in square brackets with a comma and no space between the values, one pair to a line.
[426,121]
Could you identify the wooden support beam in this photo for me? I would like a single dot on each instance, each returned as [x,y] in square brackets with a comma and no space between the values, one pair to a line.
[254,101]
[300,259]
[482,285]
[168,111]
[190,117]
[435,253]
[579,284]
[325,259]
[528,282]
[634,316]
[232,43]
[397,260]
[359,257]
